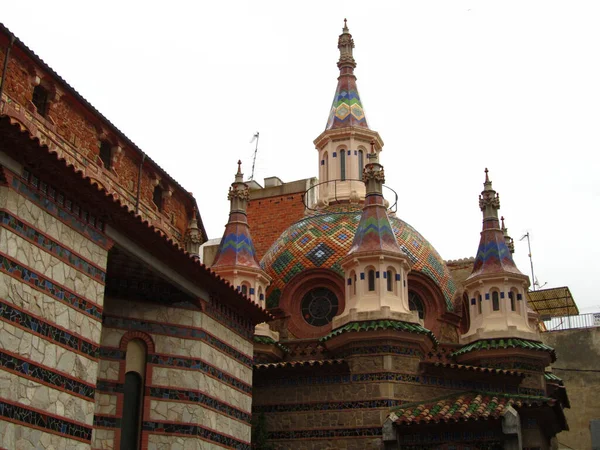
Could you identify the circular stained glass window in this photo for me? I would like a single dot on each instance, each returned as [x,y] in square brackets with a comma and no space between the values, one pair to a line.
[319,306]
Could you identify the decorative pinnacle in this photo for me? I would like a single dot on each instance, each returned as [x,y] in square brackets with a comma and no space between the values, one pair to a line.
[346,44]
[239,176]
[503,227]
[489,200]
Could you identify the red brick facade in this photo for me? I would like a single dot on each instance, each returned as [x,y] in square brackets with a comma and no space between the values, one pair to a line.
[270,216]
[74,129]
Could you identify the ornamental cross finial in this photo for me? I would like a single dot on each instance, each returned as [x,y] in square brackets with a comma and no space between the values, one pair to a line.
[486,175]
[239,166]
[345,23]
[502,219]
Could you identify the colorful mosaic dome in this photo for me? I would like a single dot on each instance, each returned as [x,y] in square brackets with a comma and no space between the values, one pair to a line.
[321,240]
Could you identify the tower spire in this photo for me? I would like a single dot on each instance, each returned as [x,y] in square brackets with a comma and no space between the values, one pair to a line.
[493,255]
[236,248]
[347,109]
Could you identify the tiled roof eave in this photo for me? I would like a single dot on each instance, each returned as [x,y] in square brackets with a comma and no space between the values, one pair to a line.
[506,343]
[375,325]
[97,113]
[128,218]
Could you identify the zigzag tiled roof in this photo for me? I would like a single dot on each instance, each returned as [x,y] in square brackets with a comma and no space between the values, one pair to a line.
[236,247]
[463,407]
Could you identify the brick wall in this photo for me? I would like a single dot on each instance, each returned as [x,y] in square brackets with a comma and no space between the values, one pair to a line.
[75,131]
[272,210]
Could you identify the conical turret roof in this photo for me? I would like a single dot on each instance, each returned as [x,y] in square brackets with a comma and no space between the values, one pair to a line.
[493,255]
[374,232]
[236,248]
[347,109]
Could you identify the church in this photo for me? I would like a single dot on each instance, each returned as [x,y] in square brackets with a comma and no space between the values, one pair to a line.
[320,319]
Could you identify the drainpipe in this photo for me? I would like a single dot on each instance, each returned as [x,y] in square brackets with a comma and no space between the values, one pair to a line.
[5,69]
[139,187]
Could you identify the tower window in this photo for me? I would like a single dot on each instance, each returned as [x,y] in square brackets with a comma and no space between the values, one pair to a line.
[157,197]
[371,280]
[390,284]
[40,100]
[511,296]
[479,304]
[105,152]
[244,289]
[342,165]
[361,164]
[354,287]
[495,301]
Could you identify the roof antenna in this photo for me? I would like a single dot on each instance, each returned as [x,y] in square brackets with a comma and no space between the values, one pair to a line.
[534,281]
[254,138]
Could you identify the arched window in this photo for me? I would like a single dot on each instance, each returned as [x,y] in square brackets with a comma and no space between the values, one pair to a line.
[361,164]
[495,301]
[41,99]
[352,283]
[105,152]
[479,302]
[390,280]
[244,289]
[416,304]
[371,280]
[342,164]
[133,394]
[325,165]
[512,295]
[157,197]
[261,296]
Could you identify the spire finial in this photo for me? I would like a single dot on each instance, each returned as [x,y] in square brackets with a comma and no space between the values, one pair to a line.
[345,24]
[502,219]
[239,166]
[487,179]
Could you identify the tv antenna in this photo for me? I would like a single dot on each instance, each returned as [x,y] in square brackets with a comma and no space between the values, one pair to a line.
[534,282]
[254,138]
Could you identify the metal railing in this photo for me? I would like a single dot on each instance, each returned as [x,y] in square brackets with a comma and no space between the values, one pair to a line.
[589,320]
[333,193]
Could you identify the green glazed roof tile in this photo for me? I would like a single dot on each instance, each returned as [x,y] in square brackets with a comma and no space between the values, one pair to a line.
[372,325]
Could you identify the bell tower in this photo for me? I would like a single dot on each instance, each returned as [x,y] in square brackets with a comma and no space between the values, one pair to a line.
[344,145]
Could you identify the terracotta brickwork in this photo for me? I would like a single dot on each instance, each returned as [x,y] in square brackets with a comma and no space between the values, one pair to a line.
[268,217]
[197,380]
[74,130]
[52,279]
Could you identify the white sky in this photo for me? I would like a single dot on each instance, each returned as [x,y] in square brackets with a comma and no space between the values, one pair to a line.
[451,86]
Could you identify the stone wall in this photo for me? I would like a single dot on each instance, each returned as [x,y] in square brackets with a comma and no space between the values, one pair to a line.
[578,364]
[198,377]
[52,276]
[331,407]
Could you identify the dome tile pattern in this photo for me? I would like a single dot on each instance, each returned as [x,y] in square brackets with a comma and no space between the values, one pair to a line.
[322,239]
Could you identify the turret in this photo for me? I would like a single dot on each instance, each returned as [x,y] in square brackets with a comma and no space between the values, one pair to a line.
[344,145]
[236,258]
[496,288]
[375,267]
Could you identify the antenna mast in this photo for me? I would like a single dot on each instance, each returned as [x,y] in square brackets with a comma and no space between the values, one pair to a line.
[526,235]
[254,138]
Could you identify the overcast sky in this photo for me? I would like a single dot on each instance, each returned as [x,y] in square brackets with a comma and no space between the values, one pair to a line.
[451,86]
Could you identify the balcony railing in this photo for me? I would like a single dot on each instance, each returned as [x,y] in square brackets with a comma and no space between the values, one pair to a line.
[589,320]
[330,190]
